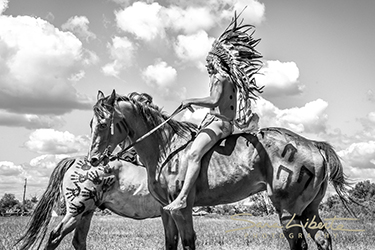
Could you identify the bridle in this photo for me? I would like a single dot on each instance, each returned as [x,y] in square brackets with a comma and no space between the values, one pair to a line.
[119,154]
[107,150]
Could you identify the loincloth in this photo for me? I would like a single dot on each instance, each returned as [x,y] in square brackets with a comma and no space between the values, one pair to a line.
[228,125]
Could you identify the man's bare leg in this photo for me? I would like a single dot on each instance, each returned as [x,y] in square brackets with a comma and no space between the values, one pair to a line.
[190,178]
[204,141]
[200,146]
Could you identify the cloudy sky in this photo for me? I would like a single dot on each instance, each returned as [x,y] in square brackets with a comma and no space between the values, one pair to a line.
[55,55]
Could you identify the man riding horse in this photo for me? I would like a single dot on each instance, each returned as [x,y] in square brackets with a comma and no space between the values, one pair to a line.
[231,65]
[294,170]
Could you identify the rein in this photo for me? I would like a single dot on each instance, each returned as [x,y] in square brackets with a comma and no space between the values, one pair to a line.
[118,155]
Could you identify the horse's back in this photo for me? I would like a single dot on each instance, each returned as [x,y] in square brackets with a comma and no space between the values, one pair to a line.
[244,164]
[232,170]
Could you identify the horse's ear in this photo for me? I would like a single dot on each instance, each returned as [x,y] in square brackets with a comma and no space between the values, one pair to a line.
[112,99]
[100,95]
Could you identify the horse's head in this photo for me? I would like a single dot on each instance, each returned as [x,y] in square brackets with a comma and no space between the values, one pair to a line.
[108,128]
[120,119]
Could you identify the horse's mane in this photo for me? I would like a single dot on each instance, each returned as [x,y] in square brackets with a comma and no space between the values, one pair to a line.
[155,115]
[102,107]
[151,114]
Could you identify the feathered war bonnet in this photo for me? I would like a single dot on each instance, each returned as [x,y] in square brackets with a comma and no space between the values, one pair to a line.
[234,54]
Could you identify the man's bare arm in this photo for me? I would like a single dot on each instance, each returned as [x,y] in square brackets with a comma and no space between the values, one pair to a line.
[210,101]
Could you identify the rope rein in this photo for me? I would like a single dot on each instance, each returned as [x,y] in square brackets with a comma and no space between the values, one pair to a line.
[119,154]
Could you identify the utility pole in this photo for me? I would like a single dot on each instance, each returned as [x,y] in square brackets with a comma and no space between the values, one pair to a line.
[24,195]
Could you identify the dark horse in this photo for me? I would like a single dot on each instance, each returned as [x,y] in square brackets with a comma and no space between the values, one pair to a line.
[294,171]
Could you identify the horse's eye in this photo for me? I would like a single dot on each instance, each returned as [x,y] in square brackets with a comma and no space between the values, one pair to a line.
[102,125]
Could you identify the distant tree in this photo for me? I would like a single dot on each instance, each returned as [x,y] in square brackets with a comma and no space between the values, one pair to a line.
[34,199]
[363,193]
[8,201]
[364,190]
[29,205]
[333,201]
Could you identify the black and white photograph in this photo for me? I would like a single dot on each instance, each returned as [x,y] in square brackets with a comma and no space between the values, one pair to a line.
[171,124]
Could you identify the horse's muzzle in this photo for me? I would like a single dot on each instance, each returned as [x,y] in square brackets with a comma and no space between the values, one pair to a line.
[95,160]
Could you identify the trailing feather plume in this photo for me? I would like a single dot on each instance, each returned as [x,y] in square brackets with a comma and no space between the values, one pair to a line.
[234,55]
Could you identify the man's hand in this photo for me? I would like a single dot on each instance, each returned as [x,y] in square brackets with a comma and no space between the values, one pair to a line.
[186,104]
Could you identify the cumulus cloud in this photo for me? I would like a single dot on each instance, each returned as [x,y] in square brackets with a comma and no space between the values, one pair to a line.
[183,25]
[9,169]
[122,52]
[12,177]
[223,10]
[29,121]
[358,174]
[253,14]
[89,58]
[371,117]
[189,20]
[360,155]
[77,77]
[359,160]
[79,25]
[36,62]
[3,5]
[149,21]
[194,48]
[162,78]
[356,151]
[196,116]
[279,78]
[50,141]
[43,165]
[37,173]
[368,124]
[142,20]
[122,2]
[311,118]
[160,75]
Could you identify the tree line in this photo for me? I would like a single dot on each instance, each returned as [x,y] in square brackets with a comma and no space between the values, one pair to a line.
[10,205]
[362,193]
[257,205]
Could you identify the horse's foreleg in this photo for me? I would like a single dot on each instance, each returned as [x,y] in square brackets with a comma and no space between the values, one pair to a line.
[170,230]
[292,230]
[82,229]
[184,222]
[58,233]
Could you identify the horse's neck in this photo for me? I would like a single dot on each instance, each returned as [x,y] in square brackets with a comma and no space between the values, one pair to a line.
[151,153]
[152,150]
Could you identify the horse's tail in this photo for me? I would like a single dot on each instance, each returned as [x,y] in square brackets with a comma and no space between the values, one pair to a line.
[38,224]
[336,175]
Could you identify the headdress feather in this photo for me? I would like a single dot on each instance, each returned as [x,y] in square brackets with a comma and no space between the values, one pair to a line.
[234,54]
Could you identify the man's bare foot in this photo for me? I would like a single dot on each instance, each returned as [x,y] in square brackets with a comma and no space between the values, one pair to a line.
[176,204]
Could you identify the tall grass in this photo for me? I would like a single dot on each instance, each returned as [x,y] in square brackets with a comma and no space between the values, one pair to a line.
[114,232]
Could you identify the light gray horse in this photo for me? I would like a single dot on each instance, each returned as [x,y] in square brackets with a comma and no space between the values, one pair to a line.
[120,187]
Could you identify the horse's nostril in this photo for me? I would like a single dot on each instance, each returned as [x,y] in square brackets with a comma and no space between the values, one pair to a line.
[94,161]
[106,160]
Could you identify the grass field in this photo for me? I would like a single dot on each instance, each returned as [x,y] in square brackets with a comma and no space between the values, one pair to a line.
[114,232]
